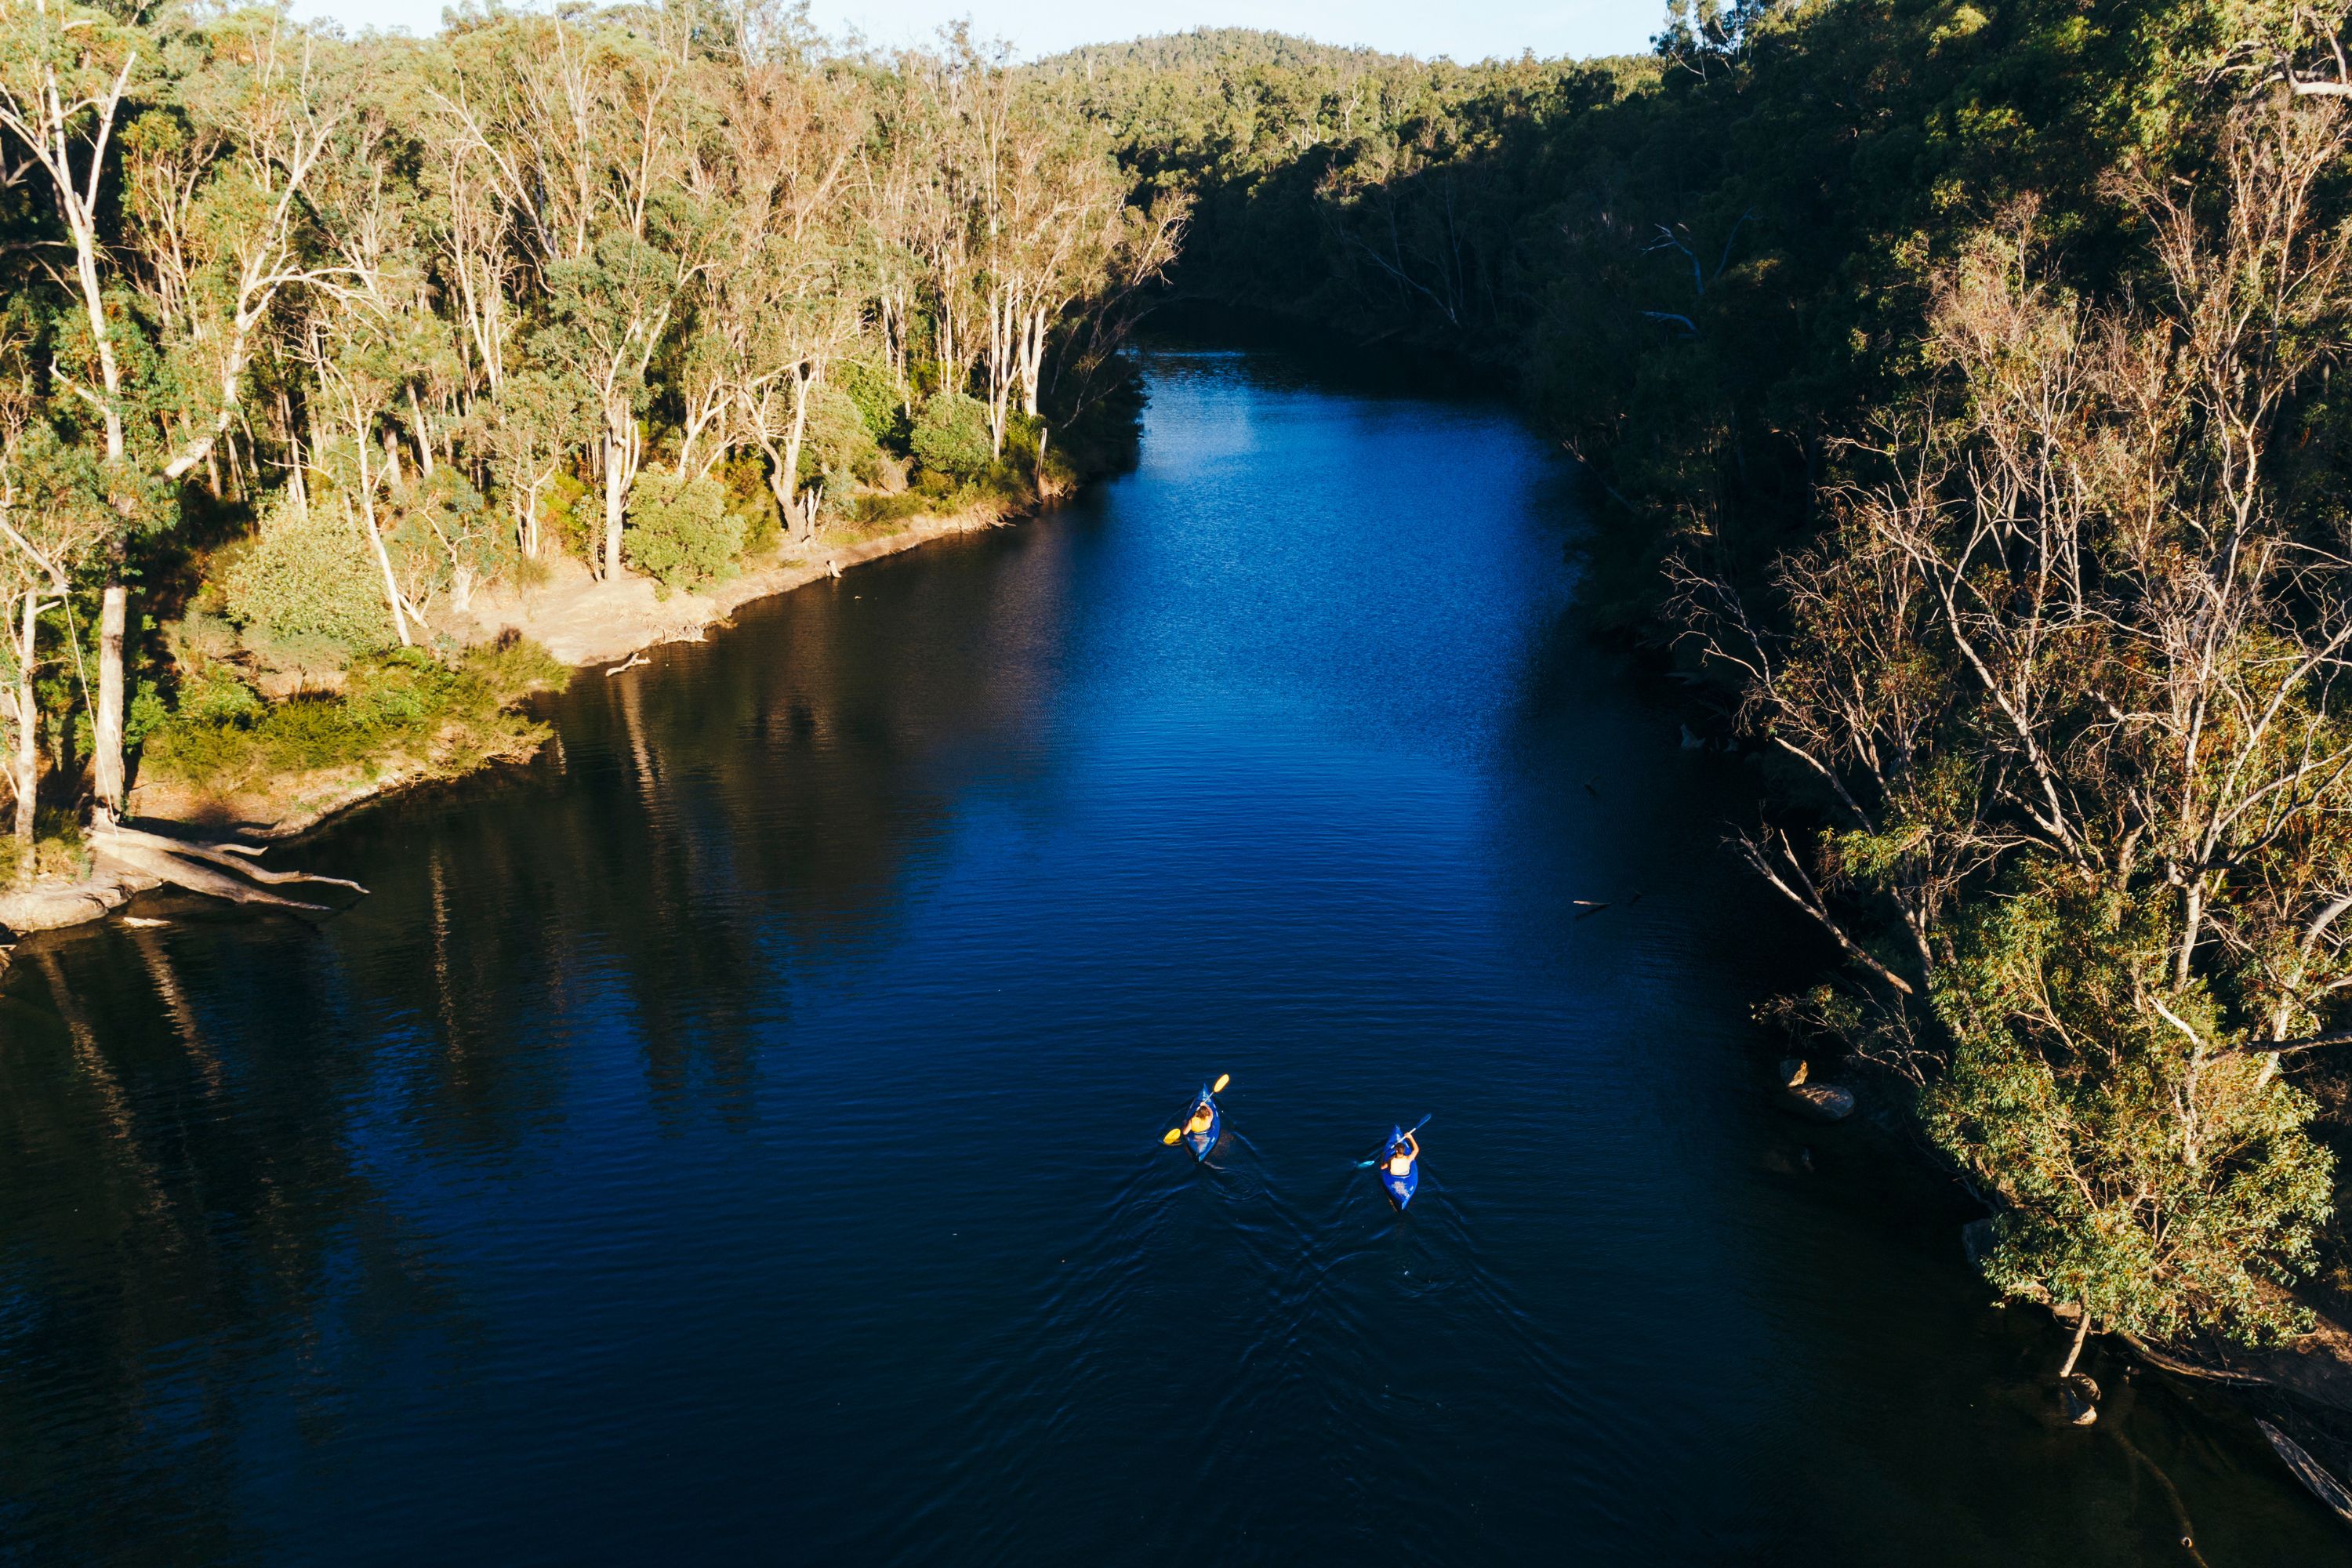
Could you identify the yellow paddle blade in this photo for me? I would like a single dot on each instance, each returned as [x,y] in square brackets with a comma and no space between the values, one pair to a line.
[1223,1079]
[1173,1134]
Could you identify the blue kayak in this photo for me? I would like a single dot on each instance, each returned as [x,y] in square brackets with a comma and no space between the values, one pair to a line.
[1201,1142]
[1400,1189]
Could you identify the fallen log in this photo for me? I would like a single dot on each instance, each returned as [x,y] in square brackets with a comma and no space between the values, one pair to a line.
[236,856]
[189,865]
[195,878]
[46,908]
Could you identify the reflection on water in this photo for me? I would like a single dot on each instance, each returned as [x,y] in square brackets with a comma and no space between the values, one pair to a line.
[735,1134]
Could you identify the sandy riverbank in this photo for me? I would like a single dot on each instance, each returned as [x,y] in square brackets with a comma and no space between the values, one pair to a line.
[584,622]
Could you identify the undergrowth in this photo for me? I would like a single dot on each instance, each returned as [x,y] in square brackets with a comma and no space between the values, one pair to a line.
[59,850]
[400,706]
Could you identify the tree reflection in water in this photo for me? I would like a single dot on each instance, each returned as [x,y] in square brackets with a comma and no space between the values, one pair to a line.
[204,1124]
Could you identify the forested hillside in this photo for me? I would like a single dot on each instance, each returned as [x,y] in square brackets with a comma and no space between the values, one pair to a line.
[1956,384]
[309,342]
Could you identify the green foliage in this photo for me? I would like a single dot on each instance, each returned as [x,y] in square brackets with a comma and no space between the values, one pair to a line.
[881,510]
[562,513]
[951,436]
[145,710]
[59,850]
[403,704]
[218,697]
[744,477]
[872,393]
[838,447]
[439,528]
[680,532]
[2065,1094]
[305,591]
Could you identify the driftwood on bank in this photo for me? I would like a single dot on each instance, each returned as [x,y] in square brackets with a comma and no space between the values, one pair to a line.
[201,868]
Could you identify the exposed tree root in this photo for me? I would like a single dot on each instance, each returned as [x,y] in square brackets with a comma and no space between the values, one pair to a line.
[188,865]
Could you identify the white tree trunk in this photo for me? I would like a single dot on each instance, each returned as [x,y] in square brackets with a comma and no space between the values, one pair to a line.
[1033,363]
[621,453]
[1001,310]
[810,500]
[25,772]
[2082,1332]
[106,725]
[383,556]
[804,383]
[424,432]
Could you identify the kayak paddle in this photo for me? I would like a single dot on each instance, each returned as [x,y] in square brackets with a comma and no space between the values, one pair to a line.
[1368,1165]
[1177,1132]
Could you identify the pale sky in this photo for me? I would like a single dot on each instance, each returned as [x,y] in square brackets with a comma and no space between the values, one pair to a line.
[1466,29]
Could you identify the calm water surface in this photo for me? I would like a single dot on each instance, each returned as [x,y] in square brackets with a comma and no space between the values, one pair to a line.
[736,1137]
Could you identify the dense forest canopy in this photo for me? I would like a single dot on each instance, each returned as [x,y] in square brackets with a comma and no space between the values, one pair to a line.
[1955,381]
[308,339]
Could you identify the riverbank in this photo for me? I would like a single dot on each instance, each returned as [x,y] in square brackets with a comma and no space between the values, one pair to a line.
[583,623]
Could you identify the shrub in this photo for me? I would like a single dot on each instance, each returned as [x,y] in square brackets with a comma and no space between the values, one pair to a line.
[870,388]
[951,437]
[197,638]
[218,697]
[146,711]
[57,847]
[307,591]
[745,476]
[401,704]
[838,443]
[874,510]
[572,526]
[512,665]
[681,532]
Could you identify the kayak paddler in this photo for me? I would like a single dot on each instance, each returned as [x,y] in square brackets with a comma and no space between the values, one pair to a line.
[1202,1114]
[1401,1155]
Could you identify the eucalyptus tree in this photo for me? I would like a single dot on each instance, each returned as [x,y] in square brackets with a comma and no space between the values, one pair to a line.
[595,138]
[52,523]
[928,117]
[1056,207]
[784,300]
[526,432]
[229,127]
[894,180]
[2067,678]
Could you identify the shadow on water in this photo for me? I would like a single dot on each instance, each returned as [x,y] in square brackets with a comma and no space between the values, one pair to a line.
[728,1129]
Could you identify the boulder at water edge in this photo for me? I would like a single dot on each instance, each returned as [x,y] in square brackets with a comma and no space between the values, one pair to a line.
[1820,1101]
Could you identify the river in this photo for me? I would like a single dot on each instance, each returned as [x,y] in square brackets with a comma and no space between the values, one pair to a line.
[736,1136]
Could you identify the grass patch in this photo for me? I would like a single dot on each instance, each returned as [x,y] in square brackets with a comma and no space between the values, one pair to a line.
[871,511]
[58,851]
[405,706]
[998,489]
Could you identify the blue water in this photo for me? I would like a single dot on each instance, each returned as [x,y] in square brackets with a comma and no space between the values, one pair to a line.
[736,1137]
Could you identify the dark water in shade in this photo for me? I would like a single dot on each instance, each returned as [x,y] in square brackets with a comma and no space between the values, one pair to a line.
[735,1138]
